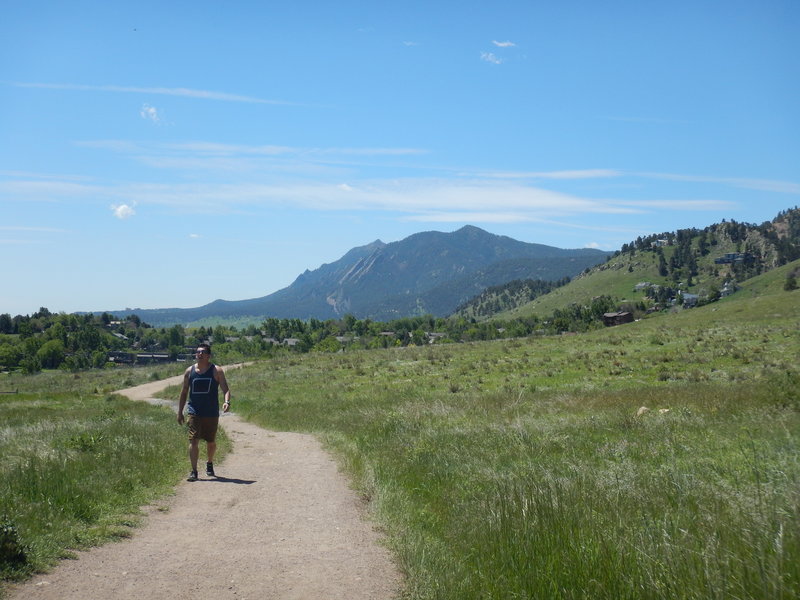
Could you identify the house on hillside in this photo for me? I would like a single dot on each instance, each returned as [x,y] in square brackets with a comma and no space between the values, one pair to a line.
[731,258]
[434,336]
[152,357]
[617,318]
[727,289]
[690,300]
[125,358]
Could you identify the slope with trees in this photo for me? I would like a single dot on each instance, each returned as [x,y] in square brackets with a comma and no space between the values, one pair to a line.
[679,264]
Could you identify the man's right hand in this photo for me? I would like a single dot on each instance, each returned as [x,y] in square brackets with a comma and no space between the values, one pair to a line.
[180,418]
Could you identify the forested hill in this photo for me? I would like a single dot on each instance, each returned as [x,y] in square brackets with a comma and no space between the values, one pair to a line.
[426,273]
[660,270]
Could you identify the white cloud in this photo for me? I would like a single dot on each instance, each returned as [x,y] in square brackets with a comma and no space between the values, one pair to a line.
[503,44]
[31,229]
[679,205]
[592,245]
[470,217]
[764,185]
[217,149]
[184,92]
[150,113]
[574,174]
[648,120]
[430,198]
[490,57]
[410,44]
[122,211]
[195,236]
[260,160]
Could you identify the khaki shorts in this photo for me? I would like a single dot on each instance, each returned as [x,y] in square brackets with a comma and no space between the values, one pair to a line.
[203,428]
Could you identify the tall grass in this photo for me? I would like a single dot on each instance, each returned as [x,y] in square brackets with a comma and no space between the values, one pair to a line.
[520,469]
[76,466]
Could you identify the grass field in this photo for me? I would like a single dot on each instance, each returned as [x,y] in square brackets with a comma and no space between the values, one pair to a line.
[512,469]
[78,462]
[520,469]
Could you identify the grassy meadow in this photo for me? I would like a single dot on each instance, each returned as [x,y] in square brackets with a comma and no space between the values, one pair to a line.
[77,462]
[520,468]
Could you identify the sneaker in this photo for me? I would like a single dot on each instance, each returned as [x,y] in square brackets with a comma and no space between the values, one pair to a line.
[192,476]
[210,469]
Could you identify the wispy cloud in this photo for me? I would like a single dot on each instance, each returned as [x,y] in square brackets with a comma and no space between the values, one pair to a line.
[43,176]
[31,229]
[22,242]
[44,189]
[218,149]
[491,57]
[470,217]
[678,205]
[656,120]
[183,92]
[506,44]
[436,198]
[575,174]
[765,185]
[514,197]
[21,229]
[208,157]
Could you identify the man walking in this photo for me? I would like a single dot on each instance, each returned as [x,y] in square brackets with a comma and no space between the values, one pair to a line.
[201,383]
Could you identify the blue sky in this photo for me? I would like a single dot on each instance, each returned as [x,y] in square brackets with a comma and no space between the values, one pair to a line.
[166,154]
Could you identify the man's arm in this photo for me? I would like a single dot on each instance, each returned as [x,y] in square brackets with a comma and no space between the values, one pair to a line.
[184,394]
[223,385]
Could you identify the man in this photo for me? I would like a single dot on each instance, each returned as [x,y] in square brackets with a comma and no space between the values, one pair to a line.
[201,383]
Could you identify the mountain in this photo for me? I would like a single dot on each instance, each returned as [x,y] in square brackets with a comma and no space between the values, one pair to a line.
[426,273]
[702,262]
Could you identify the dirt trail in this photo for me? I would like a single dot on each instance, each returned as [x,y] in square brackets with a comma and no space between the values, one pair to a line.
[279,522]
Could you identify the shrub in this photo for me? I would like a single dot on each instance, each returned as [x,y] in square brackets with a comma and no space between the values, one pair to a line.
[13,557]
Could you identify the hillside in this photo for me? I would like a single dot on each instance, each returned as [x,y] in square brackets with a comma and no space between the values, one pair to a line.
[426,273]
[674,266]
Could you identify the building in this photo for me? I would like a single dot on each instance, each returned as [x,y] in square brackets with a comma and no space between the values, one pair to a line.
[617,318]
[690,300]
[731,258]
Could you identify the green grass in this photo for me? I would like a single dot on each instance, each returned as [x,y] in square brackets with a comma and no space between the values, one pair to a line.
[77,463]
[614,279]
[519,469]
[98,381]
[508,469]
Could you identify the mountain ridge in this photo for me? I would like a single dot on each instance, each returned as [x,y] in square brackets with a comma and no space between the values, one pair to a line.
[429,272]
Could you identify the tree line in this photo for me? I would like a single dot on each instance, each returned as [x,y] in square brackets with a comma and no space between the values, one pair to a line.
[45,340]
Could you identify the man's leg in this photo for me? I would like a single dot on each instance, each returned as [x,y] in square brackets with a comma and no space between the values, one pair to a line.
[211,450]
[211,445]
[194,452]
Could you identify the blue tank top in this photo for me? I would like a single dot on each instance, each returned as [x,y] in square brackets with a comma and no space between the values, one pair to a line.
[203,393]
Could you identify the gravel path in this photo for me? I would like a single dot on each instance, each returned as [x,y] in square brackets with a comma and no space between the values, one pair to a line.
[278,522]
